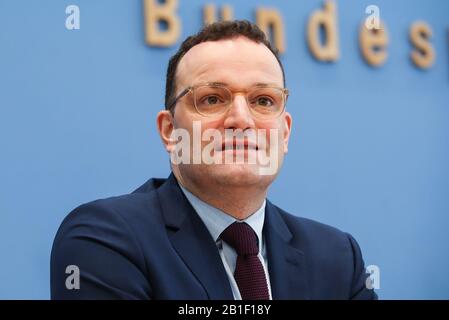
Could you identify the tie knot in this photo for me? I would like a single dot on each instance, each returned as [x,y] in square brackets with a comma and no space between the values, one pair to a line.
[242,238]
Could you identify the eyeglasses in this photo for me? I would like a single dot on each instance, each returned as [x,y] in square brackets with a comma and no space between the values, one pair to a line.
[213,100]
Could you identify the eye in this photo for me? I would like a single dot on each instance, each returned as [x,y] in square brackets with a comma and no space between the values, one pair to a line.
[264,101]
[211,100]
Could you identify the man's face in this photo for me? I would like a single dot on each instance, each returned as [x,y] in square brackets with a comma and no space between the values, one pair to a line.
[238,63]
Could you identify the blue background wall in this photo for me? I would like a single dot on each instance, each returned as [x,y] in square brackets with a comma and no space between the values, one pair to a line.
[369,152]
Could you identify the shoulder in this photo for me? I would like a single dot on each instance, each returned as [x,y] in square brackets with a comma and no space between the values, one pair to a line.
[310,230]
[324,245]
[330,253]
[105,239]
[113,210]
[119,222]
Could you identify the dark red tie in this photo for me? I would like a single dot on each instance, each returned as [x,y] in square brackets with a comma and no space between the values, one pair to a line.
[249,273]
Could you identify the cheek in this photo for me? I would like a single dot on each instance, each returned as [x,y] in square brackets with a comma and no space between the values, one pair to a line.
[208,124]
[211,124]
[196,125]
[274,128]
[187,119]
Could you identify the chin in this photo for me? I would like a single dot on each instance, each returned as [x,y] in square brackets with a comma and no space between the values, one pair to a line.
[227,175]
[236,174]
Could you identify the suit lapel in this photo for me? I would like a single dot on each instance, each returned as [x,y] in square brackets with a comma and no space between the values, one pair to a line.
[285,263]
[192,241]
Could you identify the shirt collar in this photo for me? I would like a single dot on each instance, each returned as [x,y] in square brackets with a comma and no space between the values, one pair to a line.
[217,221]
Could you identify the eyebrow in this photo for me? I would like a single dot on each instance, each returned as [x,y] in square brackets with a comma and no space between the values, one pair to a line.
[257,84]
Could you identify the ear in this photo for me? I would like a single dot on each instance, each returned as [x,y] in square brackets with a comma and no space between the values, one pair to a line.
[287,130]
[165,127]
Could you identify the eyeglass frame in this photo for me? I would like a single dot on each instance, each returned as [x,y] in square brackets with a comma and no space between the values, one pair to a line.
[285,94]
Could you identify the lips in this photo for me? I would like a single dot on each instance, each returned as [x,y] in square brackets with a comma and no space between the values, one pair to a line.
[238,145]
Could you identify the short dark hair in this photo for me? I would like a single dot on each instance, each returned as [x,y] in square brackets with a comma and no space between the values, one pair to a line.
[214,32]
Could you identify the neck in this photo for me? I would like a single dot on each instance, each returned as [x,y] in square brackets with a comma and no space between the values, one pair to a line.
[239,202]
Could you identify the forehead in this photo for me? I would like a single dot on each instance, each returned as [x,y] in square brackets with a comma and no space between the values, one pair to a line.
[238,62]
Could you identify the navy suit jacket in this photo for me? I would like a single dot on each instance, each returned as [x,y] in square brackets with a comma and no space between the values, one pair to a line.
[151,244]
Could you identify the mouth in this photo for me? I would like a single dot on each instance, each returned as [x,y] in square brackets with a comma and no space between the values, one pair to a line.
[238,145]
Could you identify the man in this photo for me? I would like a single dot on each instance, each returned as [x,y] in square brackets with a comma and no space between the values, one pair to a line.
[208,231]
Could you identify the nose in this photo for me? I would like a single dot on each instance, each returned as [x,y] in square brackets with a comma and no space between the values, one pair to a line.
[239,115]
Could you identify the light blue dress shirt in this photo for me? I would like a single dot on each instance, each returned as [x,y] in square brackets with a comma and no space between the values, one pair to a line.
[216,222]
